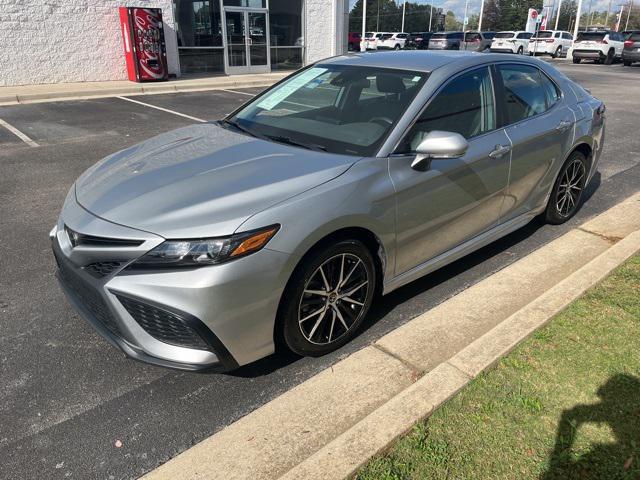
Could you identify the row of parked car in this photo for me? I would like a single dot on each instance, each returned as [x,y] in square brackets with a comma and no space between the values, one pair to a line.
[602,46]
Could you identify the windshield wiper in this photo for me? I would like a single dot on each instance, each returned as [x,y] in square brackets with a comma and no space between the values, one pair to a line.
[237,126]
[291,141]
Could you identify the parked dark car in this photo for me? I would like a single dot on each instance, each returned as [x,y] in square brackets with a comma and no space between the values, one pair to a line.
[631,50]
[418,41]
[446,41]
[354,41]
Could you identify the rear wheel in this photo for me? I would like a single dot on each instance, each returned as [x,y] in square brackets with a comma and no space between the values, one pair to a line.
[608,60]
[577,60]
[397,47]
[520,50]
[328,298]
[567,191]
[557,53]
[626,63]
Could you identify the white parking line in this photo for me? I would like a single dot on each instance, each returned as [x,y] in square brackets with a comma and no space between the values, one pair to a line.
[236,91]
[18,134]
[162,109]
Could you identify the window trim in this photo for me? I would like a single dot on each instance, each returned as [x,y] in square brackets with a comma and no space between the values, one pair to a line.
[487,66]
[502,98]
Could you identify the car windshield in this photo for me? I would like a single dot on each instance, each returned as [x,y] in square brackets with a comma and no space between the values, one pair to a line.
[368,35]
[544,34]
[590,36]
[504,35]
[342,109]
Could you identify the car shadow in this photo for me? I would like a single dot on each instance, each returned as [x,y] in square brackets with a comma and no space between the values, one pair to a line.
[618,409]
[383,305]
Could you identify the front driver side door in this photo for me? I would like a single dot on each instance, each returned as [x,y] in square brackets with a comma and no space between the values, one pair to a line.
[453,200]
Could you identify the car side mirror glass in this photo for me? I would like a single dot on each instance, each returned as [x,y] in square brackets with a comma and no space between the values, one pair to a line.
[439,145]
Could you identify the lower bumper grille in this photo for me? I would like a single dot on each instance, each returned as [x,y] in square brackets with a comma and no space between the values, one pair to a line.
[168,327]
[88,296]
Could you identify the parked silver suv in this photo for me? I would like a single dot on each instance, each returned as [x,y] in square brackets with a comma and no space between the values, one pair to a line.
[208,246]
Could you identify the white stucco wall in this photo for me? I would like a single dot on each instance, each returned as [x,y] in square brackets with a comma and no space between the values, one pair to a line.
[325,28]
[52,41]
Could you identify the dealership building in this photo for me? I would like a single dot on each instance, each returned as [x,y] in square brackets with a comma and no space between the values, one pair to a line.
[53,41]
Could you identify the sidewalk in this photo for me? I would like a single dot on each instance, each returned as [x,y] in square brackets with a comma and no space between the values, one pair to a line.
[81,90]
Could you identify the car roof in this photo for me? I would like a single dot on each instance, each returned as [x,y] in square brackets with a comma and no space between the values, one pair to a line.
[415,60]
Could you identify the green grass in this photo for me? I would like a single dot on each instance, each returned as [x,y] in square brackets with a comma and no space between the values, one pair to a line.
[564,405]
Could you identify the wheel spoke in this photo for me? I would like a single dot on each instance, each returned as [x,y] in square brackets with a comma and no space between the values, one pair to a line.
[333,322]
[324,279]
[313,314]
[355,289]
[340,317]
[322,293]
[351,300]
[344,282]
[317,324]
[341,270]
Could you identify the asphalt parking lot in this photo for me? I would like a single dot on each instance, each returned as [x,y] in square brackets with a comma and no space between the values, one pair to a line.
[68,397]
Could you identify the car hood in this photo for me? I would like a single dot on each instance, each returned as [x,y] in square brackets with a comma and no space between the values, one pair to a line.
[200,181]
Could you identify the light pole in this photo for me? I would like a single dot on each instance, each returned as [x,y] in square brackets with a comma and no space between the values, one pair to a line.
[480,18]
[606,20]
[430,15]
[626,25]
[558,14]
[404,9]
[619,18]
[577,25]
[464,19]
[363,47]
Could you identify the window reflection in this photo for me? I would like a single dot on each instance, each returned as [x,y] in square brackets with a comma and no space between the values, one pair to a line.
[198,23]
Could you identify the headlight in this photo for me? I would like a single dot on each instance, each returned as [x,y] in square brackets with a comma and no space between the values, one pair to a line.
[208,251]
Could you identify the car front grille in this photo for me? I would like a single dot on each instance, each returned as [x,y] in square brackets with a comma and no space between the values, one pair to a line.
[102,269]
[165,326]
[81,239]
[87,295]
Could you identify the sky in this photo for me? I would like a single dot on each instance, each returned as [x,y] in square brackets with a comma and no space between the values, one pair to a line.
[457,6]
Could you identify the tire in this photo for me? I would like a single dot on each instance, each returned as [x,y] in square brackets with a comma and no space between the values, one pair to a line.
[564,201]
[557,53]
[609,58]
[520,50]
[397,47]
[577,60]
[626,63]
[312,322]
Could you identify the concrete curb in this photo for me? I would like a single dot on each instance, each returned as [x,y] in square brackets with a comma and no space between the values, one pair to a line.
[342,458]
[330,425]
[60,92]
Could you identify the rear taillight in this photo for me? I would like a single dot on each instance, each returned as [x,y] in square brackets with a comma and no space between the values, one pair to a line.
[628,43]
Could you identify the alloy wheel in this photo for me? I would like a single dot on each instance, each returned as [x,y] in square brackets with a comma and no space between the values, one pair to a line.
[333,299]
[570,188]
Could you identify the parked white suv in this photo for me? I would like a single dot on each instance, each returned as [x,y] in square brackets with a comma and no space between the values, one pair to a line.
[550,42]
[393,41]
[372,39]
[511,42]
[601,46]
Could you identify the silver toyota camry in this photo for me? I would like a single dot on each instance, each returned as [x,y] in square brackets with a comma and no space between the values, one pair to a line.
[210,246]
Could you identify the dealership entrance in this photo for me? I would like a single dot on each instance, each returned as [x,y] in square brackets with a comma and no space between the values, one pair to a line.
[239,36]
[247,35]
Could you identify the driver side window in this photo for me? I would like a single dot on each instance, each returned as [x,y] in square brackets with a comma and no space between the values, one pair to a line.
[465,106]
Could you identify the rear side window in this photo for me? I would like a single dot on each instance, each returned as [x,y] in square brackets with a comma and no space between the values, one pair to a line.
[472,37]
[524,92]
[567,36]
[635,37]
[465,106]
[551,90]
[489,35]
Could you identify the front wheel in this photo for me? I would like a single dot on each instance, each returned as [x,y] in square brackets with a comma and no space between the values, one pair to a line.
[520,51]
[328,298]
[609,58]
[567,191]
[577,60]
[626,63]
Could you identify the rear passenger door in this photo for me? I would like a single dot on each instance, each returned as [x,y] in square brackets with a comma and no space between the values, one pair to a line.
[540,127]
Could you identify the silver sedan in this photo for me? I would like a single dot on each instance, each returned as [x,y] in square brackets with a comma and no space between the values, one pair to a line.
[209,246]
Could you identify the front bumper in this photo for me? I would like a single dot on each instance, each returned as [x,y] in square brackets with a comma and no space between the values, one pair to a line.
[210,318]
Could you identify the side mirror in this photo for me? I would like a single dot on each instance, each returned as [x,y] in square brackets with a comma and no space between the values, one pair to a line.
[439,145]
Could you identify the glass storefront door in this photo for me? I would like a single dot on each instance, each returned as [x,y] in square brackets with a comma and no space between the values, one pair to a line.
[247,35]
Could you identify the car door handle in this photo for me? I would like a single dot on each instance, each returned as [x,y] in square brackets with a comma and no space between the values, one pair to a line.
[563,125]
[499,151]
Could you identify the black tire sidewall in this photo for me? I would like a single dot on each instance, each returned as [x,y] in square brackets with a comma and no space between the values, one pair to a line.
[551,214]
[290,330]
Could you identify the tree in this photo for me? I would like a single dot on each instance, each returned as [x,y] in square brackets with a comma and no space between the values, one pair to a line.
[450,22]
[567,15]
[491,15]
